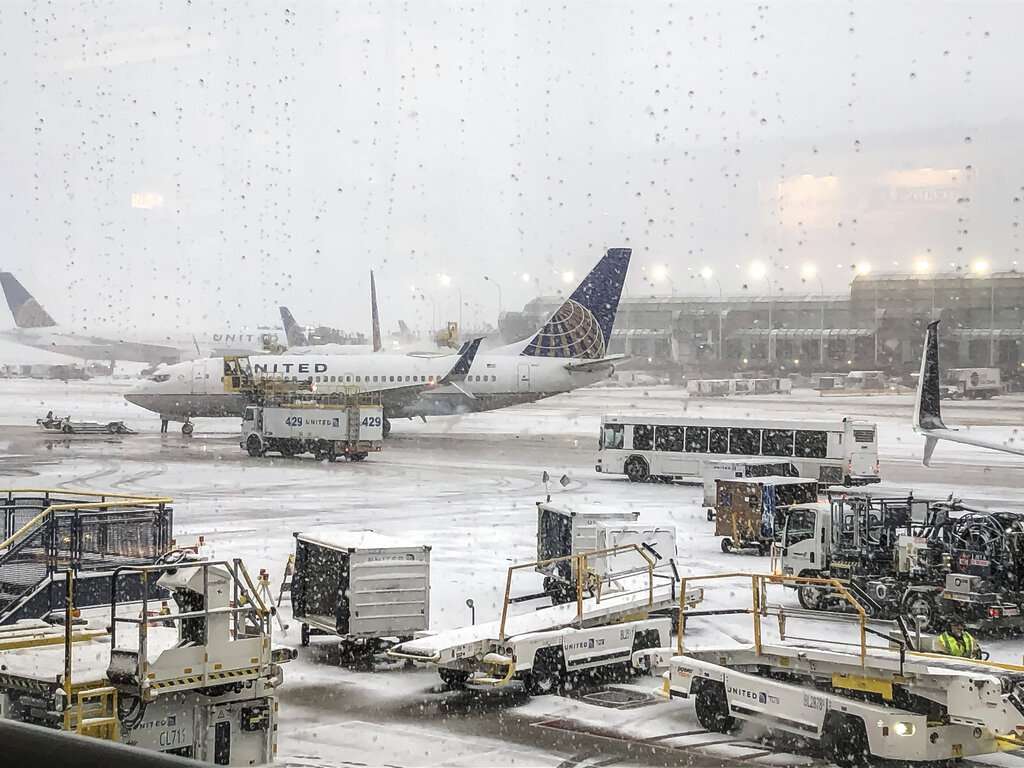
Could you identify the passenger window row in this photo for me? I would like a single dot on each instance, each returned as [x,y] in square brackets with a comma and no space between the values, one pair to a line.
[348,379]
[738,441]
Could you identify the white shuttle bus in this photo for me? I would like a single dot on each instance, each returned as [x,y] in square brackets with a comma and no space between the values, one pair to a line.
[644,447]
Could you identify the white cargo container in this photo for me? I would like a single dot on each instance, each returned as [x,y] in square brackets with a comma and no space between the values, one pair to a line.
[562,532]
[714,470]
[327,430]
[370,590]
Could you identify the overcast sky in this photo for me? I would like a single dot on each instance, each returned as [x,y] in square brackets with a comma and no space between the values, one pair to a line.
[193,164]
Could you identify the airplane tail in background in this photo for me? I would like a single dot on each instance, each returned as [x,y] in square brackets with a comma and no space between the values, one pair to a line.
[927,410]
[582,327]
[374,315]
[28,313]
[295,335]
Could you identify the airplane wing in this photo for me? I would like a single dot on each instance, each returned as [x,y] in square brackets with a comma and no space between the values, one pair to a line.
[927,410]
[398,397]
[595,365]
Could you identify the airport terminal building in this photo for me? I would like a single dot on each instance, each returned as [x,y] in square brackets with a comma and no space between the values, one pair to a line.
[878,326]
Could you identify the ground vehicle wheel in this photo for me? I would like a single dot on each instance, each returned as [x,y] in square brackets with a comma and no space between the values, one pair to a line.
[810,596]
[919,604]
[385,427]
[186,428]
[548,673]
[254,446]
[453,678]
[727,545]
[66,429]
[305,635]
[112,428]
[287,450]
[357,456]
[844,740]
[636,469]
[712,707]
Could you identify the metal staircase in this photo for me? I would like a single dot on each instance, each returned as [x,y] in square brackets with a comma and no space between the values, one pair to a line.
[48,532]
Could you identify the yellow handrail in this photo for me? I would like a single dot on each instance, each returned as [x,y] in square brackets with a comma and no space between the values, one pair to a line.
[580,561]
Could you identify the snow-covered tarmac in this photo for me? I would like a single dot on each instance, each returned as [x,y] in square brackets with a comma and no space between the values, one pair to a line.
[467,487]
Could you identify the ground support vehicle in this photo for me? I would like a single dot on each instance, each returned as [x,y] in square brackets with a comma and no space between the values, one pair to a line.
[544,650]
[328,426]
[902,555]
[972,383]
[749,512]
[369,590]
[68,426]
[45,533]
[562,532]
[722,469]
[676,448]
[198,682]
[861,701]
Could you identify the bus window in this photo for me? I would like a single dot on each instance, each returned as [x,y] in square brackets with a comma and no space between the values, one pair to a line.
[642,437]
[696,439]
[719,440]
[744,442]
[777,442]
[611,436]
[668,439]
[811,445]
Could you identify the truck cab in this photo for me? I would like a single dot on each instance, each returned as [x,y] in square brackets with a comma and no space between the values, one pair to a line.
[806,539]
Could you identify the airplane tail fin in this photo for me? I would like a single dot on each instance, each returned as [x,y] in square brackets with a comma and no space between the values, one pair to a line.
[582,327]
[295,335]
[374,316]
[28,313]
[467,353]
[927,411]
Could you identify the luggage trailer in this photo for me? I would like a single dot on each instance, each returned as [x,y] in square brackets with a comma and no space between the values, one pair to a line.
[859,701]
[610,617]
[199,682]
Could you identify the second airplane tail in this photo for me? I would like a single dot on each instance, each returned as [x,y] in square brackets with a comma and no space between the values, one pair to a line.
[28,313]
[295,335]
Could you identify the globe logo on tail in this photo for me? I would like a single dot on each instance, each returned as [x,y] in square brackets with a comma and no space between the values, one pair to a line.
[572,332]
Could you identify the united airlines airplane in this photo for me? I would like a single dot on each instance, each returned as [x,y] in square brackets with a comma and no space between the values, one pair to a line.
[569,351]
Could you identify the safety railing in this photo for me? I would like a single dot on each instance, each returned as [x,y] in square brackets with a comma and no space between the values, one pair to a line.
[586,579]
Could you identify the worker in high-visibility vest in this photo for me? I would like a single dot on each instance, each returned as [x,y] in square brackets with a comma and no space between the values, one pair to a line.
[957,641]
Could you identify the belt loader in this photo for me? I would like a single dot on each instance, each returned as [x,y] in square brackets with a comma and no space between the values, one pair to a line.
[611,617]
[861,702]
[199,682]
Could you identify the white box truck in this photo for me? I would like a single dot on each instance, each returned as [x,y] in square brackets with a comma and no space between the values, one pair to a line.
[351,429]
[973,383]
[370,590]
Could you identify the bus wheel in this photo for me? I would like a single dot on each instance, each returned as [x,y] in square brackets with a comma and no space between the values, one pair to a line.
[844,740]
[636,469]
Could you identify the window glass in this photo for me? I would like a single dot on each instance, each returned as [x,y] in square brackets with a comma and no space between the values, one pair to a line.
[612,436]
[643,437]
[744,442]
[668,438]
[719,442]
[777,442]
[811,444]
[696,439]
[799,526]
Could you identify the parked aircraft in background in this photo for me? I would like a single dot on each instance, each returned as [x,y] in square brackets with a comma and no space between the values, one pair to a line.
[927,412]
[568,352]
[36,328]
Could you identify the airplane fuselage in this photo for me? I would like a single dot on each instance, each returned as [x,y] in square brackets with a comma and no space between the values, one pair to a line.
[195,389]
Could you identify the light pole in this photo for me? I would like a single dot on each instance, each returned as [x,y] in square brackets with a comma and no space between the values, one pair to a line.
[981,268]
[758,271]
[708,274]
[497,285]
[810,271]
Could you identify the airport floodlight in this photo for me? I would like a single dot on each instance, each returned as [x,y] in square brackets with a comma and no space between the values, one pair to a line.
[707,273]
[922,266]
[659,272]
[980,267]
[568,276]
[758,270]
[809,271]
[862,268]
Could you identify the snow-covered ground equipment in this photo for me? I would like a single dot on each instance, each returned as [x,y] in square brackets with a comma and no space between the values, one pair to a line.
[69,426]
[329,427]
[611,617]
[714,470]
[48,532]
[198,682]
[562,532]
[860,700]
[370,590]
[926,560]
[749,512]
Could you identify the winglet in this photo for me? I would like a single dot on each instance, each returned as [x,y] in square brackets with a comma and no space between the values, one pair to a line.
[374,316]
[292,332]
[467,353]
[28,313]
[927,411]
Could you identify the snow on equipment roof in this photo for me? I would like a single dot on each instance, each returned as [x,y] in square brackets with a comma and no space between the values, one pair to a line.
[358,540]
